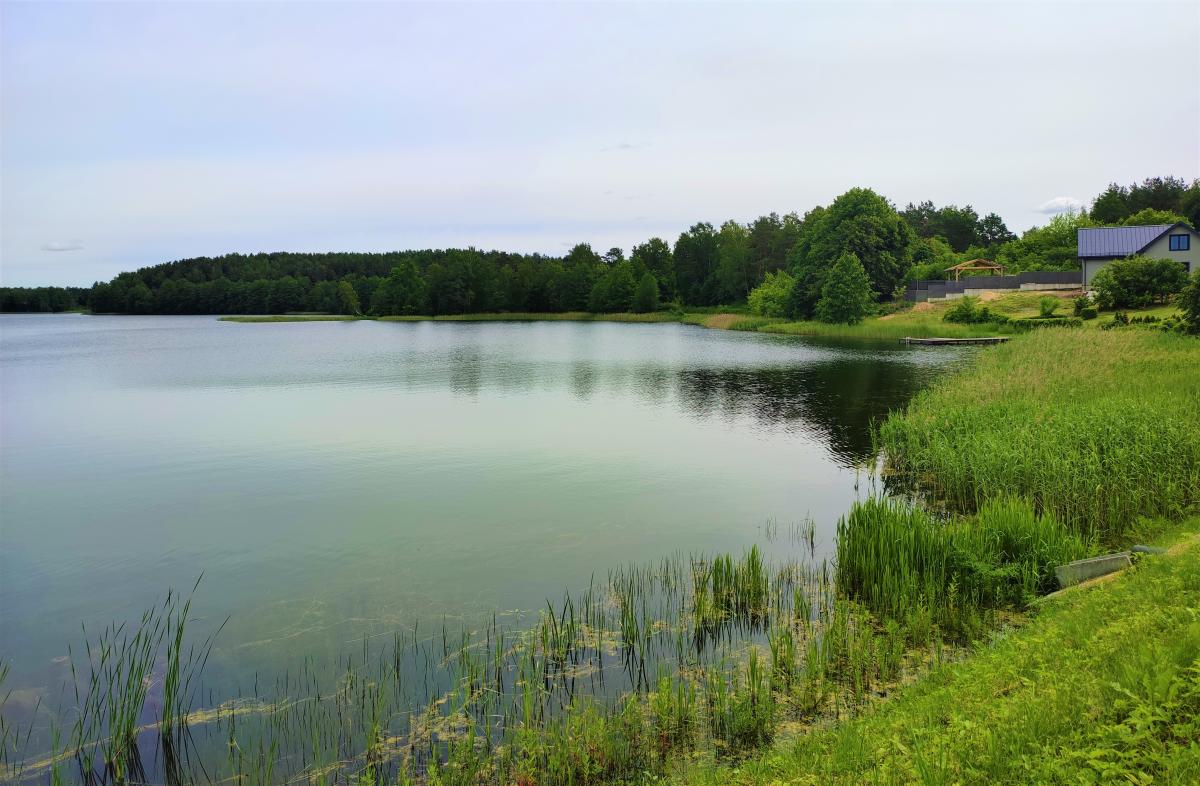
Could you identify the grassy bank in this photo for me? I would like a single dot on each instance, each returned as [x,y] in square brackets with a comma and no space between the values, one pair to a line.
[1097,427]
[1103,686]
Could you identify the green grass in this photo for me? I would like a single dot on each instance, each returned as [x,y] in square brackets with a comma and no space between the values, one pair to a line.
[1097,427]
[1103,686]
[901,325]
[292,318]
[564,316]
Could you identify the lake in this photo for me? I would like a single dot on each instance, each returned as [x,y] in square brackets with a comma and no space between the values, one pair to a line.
[339,480]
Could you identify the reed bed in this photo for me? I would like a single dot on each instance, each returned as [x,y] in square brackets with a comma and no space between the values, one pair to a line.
[1098,428]
[693,653]
[907,566]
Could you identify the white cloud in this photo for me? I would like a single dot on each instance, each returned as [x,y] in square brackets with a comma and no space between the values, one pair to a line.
[74,245]
[1062,204]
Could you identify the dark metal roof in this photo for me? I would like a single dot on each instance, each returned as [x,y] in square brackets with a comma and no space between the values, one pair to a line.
[1118,241]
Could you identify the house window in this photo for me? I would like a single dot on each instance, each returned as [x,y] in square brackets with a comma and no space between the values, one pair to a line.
[1180,242]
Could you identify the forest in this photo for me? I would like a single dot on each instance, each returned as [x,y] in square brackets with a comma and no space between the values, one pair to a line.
[831,263]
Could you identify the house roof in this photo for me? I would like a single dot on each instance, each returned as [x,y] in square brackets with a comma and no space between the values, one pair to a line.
[1119,241]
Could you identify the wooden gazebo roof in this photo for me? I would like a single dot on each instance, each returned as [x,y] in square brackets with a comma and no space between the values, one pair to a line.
[972,265]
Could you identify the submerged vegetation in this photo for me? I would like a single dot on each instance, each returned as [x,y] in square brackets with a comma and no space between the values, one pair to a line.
[692,653]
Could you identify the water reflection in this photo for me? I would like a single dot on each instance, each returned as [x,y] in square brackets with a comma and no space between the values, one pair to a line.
[334,480]
[834,401]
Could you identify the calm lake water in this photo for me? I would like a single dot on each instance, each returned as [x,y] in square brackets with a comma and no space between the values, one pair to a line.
[339,480]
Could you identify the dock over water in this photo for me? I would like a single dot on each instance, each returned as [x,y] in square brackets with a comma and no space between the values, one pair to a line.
[942,341]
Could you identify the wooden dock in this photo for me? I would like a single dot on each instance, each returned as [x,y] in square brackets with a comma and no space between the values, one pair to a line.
[947,341]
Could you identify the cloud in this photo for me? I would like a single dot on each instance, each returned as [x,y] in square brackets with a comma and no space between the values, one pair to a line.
[1062,204]
[74,245]
[620,146]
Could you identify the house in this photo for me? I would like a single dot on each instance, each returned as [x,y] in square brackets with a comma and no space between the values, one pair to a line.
[1100,245]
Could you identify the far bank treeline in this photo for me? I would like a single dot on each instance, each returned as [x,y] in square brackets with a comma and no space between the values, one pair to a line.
[831,262]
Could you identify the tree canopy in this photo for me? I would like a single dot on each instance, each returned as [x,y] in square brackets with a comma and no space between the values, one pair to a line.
[708,265]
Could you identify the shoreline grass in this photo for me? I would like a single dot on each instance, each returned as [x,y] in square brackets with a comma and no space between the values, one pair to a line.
[923,320]
[1103,686]
[1096,427]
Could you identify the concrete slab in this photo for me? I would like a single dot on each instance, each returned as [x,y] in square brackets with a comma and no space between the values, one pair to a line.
[1084,569]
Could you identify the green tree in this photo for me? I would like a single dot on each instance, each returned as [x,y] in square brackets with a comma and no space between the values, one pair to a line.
[1137,281]
[402,292]
[770,298]
[655,256]
[1189,204]
[1189,304]
[993,232]
[1160,193]
[931,256]
[732,276]
[696,257]
[1112,206]
[613,292]
[862,223]
[1150,215]
[1052,247]
[846,295]
[613,256]
[645,297]
[348,299]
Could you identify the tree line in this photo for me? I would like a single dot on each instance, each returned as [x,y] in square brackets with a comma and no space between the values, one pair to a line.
[707,265]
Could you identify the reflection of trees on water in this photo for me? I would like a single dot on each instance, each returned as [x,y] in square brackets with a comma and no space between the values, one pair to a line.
[833,399]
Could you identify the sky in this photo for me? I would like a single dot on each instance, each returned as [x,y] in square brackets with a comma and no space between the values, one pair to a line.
[133,134]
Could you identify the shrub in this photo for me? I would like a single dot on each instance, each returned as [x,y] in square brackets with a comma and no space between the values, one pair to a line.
[1189,304]
[967,311]
[1080,303]
[1047,306]
[770,298]
[1136,282]
[1028,323]
[1088,312]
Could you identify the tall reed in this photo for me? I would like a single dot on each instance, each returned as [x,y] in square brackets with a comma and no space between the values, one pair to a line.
[1097,428]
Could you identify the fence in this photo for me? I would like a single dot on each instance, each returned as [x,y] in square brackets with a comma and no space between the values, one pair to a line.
[918,291]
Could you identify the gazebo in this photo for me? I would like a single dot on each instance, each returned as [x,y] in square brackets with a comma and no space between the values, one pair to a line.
[973,265]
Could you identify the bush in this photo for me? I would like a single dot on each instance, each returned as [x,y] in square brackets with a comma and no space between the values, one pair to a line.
[1028,323]
[770,298]
[1047,306]
[966,311]
[1088,312]
[1136,282]
[1080,303]
[1189,304]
